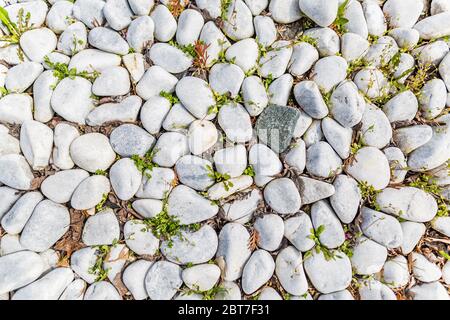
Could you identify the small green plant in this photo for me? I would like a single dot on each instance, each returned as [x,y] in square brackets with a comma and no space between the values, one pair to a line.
[268,81]
[15,30]
[99,206]
[307,39]
[444,254]
[208,294]
[429,185]
[319,247]
[249,171]
[173,99]
[100,172]
[339,25]
[222,100]
[369,195]
[219,177]
[145,164]
[224,9]
[62,71]
[102,253]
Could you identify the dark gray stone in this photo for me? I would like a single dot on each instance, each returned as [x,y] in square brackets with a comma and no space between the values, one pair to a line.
[275,126]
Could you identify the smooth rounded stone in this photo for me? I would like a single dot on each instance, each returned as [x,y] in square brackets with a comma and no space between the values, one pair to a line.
[101,229]
[165,23]
[276,61]
[396,272]
[82,261]
[39,10]
[125,178]
[216,41]
[409,203]
[424,270]
[444,70]
[236,123]
[322,12]
[442,225]
[347,105]
[242,209]
[381,52]
[156,183]
[323,216]
[375,127]
[282,196]
[42,94]
[434,26]
[8,144]
[15,172]
[432,53]
[410,138]
[371,166]
[309,98]
[339,295]
[190,24]
[353,46]
[368,256]
[265,30]
[9,196]
[231,292]
[374,16]
[128,140]
[231,160]
[92,152]
[313,134]
[402,107]
[73,40]
[48,223]
[371,82]
[148,208]
[381,228]
[298,230]
[412,233]
[256,6]
[16,108]
[233,250]
[439,6]
[327,41]
[115,261]
[19,269]
[125,111]
[285,11]
[375,290]
[133,278]
[290,273]
[433,98]
[328,275]
[279,91]
[10,244]
[192,171]
[114,81]
[356,19]
[170,58]
[201,277]
[191,247]
[296,157]
[254,95]
[196,96]
[102,291]
[88,11]
[213,7]
[264,161]
[64,135]
[36,142]
[60,187]
[312,190]
[189,206]
[11,55]
[223,190]
[257,271]
[238,21]
[178,119]
[140,239]
[270,228]
[56,18]
[153,113]
[402,14]
[90,192]
[269,294]
[170,147]
[74,108]
[406,38]
[202,135]
[118,14]
[140,33]
[339,137]
[37,43]
[20,77]
[49,287]
[429,291]
[163,280]
[446,273]
[74,291]
[91,60]
[244,54]
[15,219]
[304,56]
[328,72]
[154,81]
[346,199]
[226,78]
[322,161]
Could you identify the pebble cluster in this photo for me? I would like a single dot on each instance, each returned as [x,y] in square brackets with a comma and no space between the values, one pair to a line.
[224,149]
